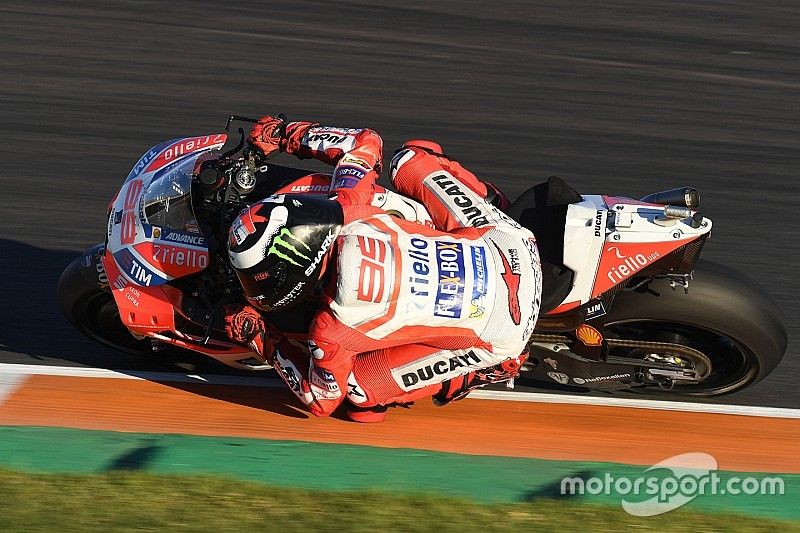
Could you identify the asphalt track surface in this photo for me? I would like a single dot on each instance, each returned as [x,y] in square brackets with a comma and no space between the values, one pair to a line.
[624,97]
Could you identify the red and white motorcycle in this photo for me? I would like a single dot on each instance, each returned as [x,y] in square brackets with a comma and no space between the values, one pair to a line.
[626,302]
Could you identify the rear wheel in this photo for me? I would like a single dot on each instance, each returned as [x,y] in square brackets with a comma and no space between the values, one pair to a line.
[725,316]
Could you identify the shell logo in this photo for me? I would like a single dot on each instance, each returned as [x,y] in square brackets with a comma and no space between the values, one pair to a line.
[588,335]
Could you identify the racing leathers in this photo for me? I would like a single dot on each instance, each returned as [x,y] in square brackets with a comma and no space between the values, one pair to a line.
[408,306]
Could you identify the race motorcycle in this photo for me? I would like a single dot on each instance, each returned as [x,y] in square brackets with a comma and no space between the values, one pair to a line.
[626,304]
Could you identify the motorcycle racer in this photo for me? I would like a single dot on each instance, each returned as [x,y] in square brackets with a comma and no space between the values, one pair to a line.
[409,311]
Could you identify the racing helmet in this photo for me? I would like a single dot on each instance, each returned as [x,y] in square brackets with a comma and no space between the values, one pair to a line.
[277,247]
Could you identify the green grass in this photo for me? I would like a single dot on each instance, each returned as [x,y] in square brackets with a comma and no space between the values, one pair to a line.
[123,501]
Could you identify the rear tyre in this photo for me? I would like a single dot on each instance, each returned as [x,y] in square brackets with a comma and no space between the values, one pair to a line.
[725,315]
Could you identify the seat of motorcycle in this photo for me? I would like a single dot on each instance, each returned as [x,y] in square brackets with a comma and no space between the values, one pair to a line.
[543,210]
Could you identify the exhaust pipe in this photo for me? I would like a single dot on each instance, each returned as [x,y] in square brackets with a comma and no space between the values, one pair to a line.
[682,196]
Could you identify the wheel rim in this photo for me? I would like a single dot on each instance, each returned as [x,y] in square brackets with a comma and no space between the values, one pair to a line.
[733,365]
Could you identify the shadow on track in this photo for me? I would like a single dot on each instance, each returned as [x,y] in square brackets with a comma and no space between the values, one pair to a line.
[276,400]
[31,326]
[33,331]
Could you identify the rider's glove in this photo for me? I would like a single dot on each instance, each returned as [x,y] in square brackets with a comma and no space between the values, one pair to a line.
[268,133]
[244,325]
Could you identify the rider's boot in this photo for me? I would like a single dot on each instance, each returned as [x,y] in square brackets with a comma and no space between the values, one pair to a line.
[459,387]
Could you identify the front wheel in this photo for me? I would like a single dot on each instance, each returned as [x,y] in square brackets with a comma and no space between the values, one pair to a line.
[725,316]
[86,301]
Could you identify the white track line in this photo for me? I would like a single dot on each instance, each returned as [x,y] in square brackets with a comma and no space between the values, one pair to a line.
[10,383]
[720,409]
[85,372]
[10,373]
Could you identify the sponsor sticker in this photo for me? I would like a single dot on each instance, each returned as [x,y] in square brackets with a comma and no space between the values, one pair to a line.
[419,278]
[589,335]
[355,393]
[323,390]
[511,277]
[135,270]
[330,136]
[169,255]
[170,235]
[599,219]
[286,246]
[450,292]
[558,377]
[291,295]
[110,223]
[290,374]
[345,182]
[324,380]
[326,243]
[434,368]
[349,171]
[102,277]
[478,254]
[615,377]
[353,160]
[452,192]
[183,147]
[311,188]
[595,310]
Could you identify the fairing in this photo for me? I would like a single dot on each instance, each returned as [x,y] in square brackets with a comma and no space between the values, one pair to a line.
[609,239]
[153,236]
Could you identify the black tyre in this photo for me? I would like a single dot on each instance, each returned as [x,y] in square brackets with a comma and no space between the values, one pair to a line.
[725,315]
[86,301]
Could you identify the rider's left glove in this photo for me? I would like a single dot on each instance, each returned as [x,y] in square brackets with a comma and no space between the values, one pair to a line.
[244,325]
[268,134]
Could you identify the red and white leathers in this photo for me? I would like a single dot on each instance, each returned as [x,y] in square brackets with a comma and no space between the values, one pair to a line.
[410,306]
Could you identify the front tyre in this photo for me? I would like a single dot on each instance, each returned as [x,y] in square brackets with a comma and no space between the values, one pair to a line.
[725,315]
[86,301]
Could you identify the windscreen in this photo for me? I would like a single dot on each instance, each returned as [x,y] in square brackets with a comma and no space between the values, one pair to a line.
[168,199]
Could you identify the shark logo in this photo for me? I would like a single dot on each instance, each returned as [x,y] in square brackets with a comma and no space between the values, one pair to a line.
[285,249]
[511,280]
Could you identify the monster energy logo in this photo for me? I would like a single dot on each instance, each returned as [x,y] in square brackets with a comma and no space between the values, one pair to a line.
[280,247]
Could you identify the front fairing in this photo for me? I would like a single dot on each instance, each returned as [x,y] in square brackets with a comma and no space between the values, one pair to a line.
[153,235]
